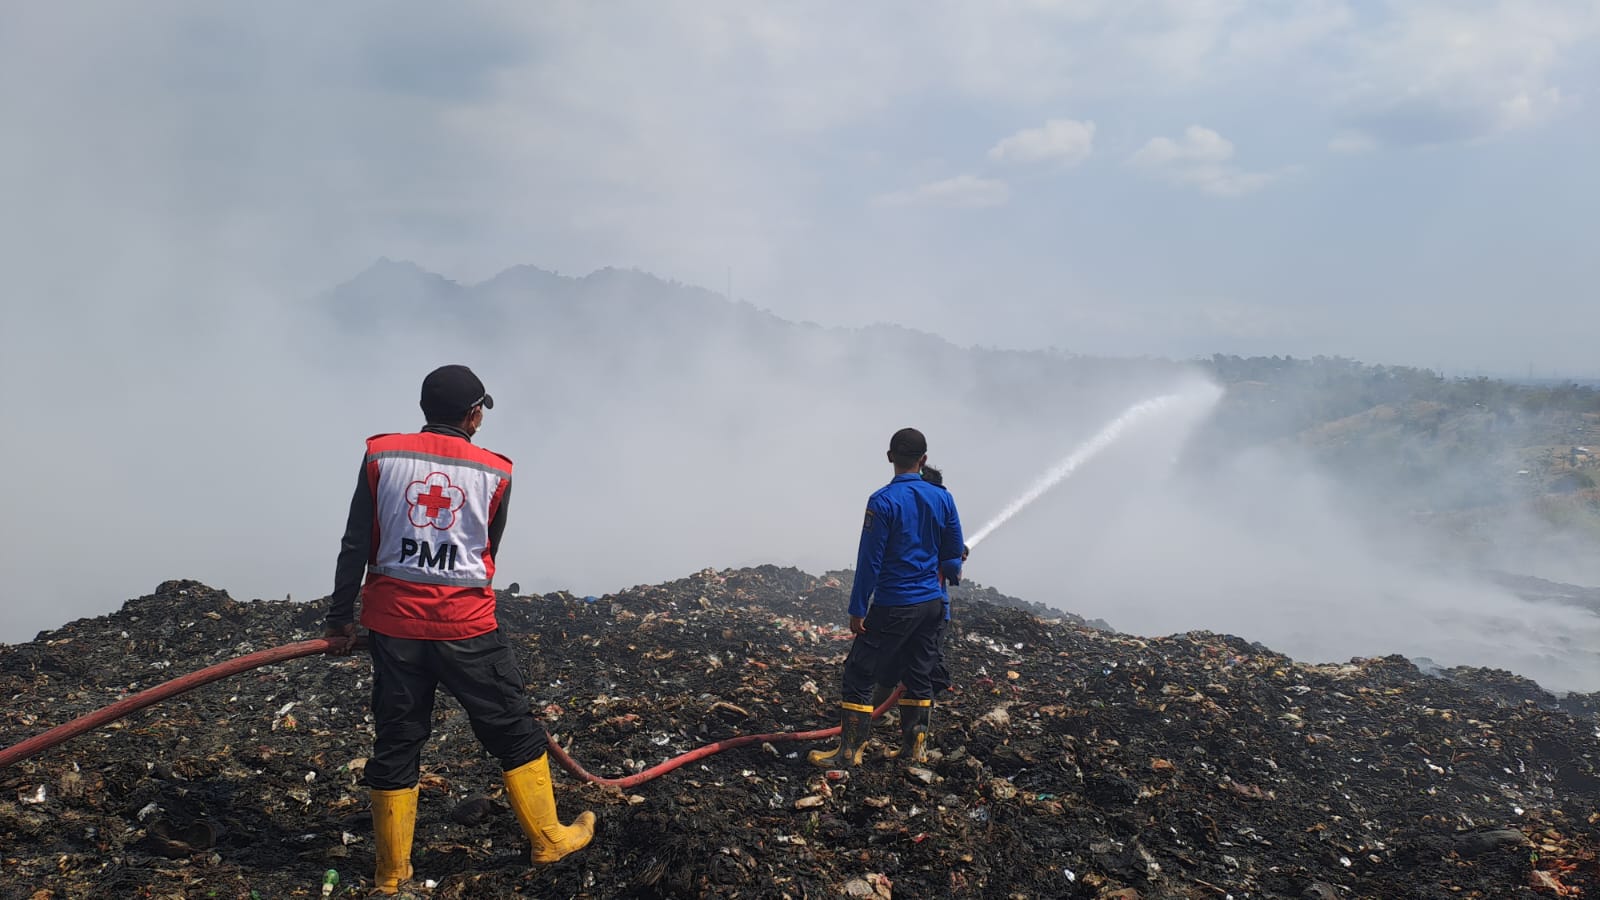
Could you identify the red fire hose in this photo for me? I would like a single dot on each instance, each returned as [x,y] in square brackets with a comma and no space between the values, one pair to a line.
[65,732]
[117,710]
[744,740]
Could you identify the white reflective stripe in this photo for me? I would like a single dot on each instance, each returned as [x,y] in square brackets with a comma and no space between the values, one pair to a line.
[433,518]
[436,459]
[423,576]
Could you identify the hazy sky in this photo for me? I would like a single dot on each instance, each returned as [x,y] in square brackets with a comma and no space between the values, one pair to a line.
[1403,182]
[1409,183]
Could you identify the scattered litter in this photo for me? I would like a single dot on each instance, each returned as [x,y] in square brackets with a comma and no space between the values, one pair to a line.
[1111,764]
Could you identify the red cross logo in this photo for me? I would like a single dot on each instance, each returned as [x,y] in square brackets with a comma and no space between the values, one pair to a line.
[434,501]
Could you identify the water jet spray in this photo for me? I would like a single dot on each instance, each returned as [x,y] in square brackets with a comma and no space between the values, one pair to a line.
[1198,399]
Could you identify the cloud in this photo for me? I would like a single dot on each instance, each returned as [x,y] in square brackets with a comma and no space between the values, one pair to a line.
[1064,141]
[962,191]
[1199,145]
[190,169]
[1201,160]
[1352,142]
[1444,72]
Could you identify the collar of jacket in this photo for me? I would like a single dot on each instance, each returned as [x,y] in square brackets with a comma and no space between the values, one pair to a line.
[450,431]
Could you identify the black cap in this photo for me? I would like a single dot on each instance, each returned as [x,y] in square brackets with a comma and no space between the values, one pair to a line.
[908,443]
[450,392]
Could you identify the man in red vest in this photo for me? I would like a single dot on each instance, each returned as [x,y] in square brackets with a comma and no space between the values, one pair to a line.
[424,525]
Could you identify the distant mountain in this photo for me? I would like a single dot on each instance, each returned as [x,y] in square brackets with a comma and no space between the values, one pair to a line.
[614,324]
[647,352]
[1393,427]
[528,303]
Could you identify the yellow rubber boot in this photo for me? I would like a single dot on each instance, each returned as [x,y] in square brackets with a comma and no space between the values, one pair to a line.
[534,802]
[914,719]
[855,727]
[394,818]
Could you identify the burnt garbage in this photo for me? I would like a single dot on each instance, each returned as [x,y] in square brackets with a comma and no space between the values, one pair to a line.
[1071,761]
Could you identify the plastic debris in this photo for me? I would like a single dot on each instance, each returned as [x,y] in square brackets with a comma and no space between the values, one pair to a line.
[1191,765]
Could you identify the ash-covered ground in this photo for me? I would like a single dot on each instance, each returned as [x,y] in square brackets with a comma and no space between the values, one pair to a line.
[1072,761]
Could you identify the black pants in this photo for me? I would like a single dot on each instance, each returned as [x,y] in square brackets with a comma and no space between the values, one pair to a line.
[941,672]
[480,672]
[903,638]
[940,676]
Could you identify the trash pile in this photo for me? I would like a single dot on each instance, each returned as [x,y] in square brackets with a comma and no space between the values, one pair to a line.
[1071,761]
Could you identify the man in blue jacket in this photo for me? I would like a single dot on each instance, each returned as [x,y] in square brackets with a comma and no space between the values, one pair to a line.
[889,677]
[897,603]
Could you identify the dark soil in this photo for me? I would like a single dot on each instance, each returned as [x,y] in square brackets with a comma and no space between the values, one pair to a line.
[1072,762]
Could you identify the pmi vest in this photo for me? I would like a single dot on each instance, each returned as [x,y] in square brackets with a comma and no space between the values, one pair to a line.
[431,566]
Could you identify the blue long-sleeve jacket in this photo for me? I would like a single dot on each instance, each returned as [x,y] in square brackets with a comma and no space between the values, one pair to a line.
[910,527]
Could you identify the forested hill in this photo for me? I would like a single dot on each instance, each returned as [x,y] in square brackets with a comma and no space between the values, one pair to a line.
[625,348]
